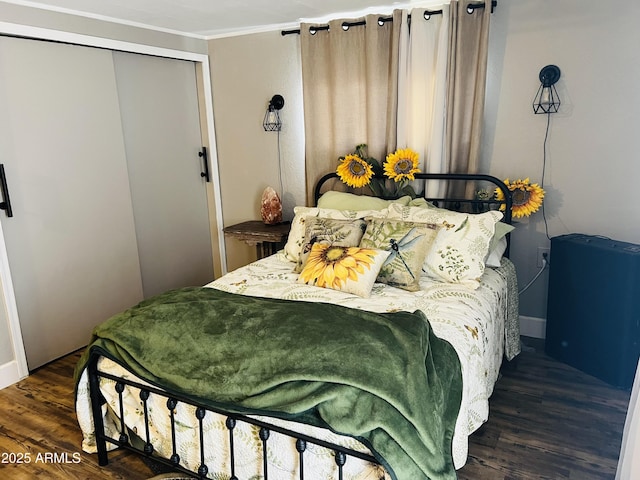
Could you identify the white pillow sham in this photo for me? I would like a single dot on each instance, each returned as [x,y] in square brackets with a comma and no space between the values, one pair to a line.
[461,246]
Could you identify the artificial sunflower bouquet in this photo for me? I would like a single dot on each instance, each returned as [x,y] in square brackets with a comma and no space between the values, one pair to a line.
[358,170]
[526,197]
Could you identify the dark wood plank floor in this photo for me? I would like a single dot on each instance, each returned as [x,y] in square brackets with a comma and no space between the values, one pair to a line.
[547,421]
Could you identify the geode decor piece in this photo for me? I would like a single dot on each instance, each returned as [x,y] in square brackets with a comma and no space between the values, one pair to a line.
[271,207]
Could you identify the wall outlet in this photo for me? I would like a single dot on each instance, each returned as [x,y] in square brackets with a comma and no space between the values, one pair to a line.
[543,252]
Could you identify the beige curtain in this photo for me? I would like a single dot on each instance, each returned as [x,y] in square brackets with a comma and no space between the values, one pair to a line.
[349,92]
[388,86]
[467,72]
[422,91]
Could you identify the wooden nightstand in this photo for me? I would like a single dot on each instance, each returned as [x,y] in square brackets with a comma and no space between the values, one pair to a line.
[267,238]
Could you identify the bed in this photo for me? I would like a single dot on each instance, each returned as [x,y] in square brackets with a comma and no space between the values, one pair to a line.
[380,370]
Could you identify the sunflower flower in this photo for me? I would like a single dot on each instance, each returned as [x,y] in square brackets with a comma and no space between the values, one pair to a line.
[526,197]
[358,169]
[354,171]
[331,266]
[401,165]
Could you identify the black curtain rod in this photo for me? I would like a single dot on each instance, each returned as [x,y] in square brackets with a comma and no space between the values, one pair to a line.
[382,20]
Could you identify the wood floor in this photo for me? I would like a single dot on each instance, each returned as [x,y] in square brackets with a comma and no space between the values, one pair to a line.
[547,421]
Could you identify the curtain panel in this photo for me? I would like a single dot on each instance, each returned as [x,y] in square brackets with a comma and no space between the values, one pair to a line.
[466,85]
[422,90]
[350,83]
[418,85]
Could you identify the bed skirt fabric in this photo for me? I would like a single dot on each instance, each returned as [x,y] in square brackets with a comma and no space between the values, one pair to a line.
[512,345]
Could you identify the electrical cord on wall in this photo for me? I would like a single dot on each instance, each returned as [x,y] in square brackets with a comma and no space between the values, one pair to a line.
[545,264]
[545,261]
[280,169]
[544,167]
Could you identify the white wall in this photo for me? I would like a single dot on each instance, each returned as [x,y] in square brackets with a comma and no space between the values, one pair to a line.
[13,362]
[592,160]
[6,347]
[246,71]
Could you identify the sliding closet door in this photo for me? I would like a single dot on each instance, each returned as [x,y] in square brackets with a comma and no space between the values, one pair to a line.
[71,241]
[161,125]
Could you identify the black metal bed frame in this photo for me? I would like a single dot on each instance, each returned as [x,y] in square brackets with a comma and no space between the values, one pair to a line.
[474,204]
[341,453]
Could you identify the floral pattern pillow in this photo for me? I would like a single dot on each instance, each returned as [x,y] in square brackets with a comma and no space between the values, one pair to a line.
[347,269]
[407,243]
[343,233]
[461,246]
[294,243]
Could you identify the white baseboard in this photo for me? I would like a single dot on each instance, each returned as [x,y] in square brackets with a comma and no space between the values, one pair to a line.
[9,374]
[533,327]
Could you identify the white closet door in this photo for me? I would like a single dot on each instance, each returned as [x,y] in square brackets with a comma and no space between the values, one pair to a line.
[161,124]
[71,242]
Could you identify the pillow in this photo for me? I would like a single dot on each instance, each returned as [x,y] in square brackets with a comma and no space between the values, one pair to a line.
[351,201]
[298,225]
[407,244]
[347,269]
[498,244]
[501,231]
[343,233]
[420,202]
[495,254]
[461,245]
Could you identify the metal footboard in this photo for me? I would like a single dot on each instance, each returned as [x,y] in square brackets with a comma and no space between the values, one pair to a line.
[341,454]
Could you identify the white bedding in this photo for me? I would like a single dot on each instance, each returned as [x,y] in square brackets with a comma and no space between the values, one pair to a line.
[473,321]
[480,324]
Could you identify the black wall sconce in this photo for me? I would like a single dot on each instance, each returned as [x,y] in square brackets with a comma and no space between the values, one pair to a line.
[547,99]
[272,122]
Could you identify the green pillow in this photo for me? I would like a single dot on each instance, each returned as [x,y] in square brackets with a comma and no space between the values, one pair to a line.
[420,202]
[501,230]
[351,201]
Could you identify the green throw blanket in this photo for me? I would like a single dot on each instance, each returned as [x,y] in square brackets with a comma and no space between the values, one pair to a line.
[384,379]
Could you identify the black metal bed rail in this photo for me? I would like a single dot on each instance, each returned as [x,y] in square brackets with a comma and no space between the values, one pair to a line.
[341,453]
[477,205]
[462,177]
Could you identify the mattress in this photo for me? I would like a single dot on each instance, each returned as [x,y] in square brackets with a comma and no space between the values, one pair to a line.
[481,325]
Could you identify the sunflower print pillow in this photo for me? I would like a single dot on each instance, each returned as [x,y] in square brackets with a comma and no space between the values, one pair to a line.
[408,244]
[298,225]
[343,233]
[347,269]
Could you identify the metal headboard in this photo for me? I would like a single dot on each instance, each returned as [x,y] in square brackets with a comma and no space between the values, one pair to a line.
[472,204]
